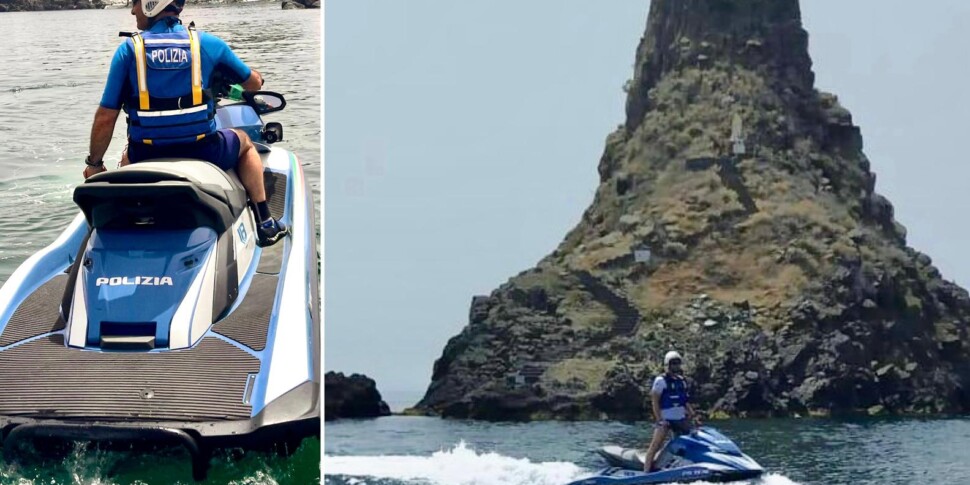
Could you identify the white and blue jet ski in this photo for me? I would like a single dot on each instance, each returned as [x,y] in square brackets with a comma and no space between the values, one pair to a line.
[703,455]
[154,317]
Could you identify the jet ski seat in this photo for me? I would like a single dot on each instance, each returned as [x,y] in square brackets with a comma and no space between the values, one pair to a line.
[163,194]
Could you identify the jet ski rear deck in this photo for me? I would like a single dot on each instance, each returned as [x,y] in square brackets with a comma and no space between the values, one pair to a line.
[161,386]
[247,379]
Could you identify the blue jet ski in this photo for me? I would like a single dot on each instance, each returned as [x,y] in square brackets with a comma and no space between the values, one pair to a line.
[154,317]
[704,455]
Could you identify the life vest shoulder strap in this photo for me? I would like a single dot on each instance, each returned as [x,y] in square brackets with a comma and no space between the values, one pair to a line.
[194,43]
[141,61]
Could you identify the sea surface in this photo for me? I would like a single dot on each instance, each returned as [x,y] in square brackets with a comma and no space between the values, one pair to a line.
[402,450]
[53,66]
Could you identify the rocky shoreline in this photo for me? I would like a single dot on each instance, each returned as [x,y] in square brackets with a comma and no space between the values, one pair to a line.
[300,4]
[41,5]
[354,396]
[736,221]
[38,5]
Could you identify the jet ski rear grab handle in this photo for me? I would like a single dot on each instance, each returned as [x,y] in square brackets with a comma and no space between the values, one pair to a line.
[200,454]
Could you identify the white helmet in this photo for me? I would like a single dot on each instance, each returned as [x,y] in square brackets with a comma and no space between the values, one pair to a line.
[155,7]
[669,356]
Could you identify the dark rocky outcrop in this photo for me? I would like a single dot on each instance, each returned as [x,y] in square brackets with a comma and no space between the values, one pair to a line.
[300,4]
[352,397]
[777,270]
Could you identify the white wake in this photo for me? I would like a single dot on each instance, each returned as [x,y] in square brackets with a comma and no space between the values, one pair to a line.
[462,465]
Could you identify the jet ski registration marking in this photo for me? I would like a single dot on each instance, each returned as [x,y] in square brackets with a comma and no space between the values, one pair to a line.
[136,280]
[695,473]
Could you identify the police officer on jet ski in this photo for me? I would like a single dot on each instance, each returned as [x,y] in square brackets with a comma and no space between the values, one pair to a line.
[671,407]
[161,77]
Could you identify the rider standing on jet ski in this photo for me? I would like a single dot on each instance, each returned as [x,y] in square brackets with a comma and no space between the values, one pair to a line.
[671,407]
[160,76]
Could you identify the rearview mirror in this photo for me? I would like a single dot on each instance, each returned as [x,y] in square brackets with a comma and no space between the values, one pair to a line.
[264,101]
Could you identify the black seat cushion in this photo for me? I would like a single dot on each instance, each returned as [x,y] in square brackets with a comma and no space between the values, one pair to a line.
[162,195]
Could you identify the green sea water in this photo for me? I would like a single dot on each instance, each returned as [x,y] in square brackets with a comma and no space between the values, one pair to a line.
[88,466]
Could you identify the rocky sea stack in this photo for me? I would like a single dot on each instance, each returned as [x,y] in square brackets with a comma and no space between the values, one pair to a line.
[736,221]
[352,397]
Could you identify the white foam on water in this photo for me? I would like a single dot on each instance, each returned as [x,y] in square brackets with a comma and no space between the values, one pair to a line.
[460,465]
[259,478]
[5,477]
[773,479]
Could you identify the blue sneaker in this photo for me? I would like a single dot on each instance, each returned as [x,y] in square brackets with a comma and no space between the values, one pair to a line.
[270,232]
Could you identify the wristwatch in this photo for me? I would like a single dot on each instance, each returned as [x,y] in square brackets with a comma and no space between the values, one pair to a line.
[88,162]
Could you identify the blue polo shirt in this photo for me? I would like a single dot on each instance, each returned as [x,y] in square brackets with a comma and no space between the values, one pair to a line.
[215,54]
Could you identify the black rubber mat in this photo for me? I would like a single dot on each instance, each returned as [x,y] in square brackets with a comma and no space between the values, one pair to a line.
[271,259]
[249,324]
[44,378]
[38,314]
[275,184]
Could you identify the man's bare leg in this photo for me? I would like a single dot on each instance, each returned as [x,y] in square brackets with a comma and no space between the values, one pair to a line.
[250,168]
[659,435]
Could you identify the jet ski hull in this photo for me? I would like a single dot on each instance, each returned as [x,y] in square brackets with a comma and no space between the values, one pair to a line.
[279,424]
[703,455]
[687,474]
